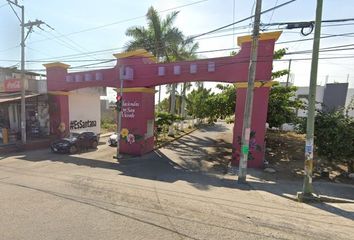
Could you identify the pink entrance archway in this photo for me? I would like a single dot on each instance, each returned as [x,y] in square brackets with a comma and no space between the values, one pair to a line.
[141,74]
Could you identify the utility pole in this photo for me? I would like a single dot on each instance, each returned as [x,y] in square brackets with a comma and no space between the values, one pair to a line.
[288,77]
[119,110]
[30,26]
[307,191]
[247,116]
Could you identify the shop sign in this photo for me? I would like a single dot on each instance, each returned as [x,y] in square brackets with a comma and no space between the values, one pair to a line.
[79,124]
[12,85]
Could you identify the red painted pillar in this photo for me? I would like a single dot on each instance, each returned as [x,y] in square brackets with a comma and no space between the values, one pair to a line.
[137,134]
[59,115]
[258,129]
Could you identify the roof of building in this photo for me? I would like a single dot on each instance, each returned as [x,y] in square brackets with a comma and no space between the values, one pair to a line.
[15,70]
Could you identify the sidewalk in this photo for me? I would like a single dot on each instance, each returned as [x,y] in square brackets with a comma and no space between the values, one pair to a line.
[283,190]
[32,144]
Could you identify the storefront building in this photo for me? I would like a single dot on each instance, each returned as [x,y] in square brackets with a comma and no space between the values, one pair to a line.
[37,107]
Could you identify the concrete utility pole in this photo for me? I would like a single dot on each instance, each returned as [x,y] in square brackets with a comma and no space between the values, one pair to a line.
[247,117]
[30,26]
[307,190]
[288,77]
[119,111]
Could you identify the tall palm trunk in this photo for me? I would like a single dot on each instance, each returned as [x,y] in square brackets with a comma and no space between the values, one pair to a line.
[183,100]
[159,101]
[173,99]
[171,131]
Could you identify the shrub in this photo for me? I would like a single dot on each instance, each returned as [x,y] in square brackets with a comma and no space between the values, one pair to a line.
[334,137]
[164,119]
[229,120]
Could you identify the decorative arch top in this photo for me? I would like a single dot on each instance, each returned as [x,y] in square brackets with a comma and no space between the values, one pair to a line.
[139,68]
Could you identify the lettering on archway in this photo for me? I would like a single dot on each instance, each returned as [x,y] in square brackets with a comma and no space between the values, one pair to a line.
[141,74]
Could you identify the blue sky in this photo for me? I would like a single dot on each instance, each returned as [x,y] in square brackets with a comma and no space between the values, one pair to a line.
[85,26]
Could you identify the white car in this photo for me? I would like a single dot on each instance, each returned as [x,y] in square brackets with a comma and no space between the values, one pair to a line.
[112,141]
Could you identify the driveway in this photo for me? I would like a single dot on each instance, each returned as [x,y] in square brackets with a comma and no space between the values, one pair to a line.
[91,196]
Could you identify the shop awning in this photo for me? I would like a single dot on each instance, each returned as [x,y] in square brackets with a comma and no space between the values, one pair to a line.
[15,98]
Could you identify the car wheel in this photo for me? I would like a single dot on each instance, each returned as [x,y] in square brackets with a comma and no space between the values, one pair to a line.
[73,149]
[94,144]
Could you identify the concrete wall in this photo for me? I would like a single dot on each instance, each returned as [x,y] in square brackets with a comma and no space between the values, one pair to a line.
[335,95]
[331,95]
[304,92]
[350,96]
[85,110]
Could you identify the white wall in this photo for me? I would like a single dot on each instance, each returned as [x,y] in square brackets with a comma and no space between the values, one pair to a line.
[85,109]
[13,117]
[319,98]
[350,95]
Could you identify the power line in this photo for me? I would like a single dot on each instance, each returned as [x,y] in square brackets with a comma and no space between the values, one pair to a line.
[302,22]
[92,67]
[338,25]
[271,16]
[239,61]
[121,21]
[308,39]
[7,49]
[3,5]
[80,54]
[71,56]
[99,51]
[240,21]
[325,49]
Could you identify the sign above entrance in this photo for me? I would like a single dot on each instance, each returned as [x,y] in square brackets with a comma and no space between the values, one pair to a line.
[12,85]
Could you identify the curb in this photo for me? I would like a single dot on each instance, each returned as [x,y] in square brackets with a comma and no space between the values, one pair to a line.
[329,199]
[314,198]
[170,141]
[106,134]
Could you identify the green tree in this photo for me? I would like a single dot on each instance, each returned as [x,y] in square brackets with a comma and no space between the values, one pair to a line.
[334,137]
[157,38]
[227,100]
[180,52]
[197,104]
[164,40]
[202,103]
[282,106]
[163,106]
[279,54]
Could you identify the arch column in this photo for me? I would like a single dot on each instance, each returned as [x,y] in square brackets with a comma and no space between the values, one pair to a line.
[258,125]
[137,134]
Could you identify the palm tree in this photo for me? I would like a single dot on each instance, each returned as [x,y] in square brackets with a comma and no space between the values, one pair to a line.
[185,51]
[157,37]
[166,42]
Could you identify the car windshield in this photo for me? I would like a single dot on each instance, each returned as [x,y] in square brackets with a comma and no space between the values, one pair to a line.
[74,135]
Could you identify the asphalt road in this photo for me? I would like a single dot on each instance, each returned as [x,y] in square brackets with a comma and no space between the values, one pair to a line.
[91,196]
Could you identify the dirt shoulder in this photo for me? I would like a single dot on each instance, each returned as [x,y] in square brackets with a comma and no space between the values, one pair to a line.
[285,153]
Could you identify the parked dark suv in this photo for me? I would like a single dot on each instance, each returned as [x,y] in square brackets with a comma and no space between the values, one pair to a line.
[76,142]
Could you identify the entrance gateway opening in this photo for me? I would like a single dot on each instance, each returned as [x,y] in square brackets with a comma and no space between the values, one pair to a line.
[141,73]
